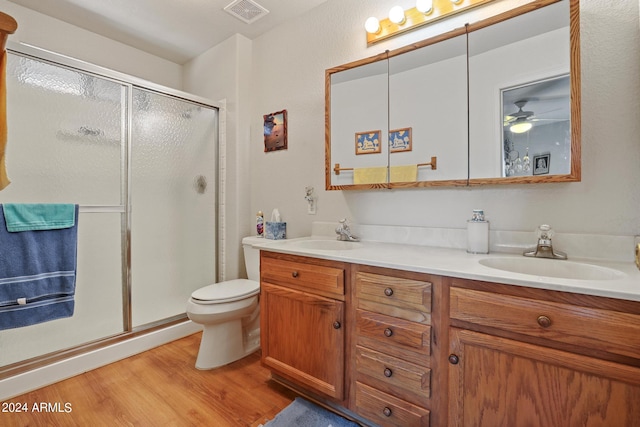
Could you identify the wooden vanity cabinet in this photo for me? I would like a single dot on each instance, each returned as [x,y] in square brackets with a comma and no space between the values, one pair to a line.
[392,363]
[302,315]
[530,357]
[397,348]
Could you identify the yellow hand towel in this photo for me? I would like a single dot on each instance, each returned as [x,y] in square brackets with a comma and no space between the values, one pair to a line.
[4,179]
[404,173]
[376,175]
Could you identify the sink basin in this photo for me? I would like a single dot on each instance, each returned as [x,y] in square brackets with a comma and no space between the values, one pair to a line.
[326,245]
[552,268]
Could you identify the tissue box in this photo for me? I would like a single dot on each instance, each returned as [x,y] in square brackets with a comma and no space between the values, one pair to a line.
[275,230]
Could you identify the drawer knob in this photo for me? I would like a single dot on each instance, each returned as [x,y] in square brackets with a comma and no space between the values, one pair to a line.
[294,274]
[454,359]
[388,332]
[386,411]
[544,321]
[336,325]
[388,292]
[388,372]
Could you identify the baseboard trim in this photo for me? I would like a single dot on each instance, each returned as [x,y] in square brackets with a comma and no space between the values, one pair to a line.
[67,368]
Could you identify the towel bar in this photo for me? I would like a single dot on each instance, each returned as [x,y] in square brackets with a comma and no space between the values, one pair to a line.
[433,163]
[101,209]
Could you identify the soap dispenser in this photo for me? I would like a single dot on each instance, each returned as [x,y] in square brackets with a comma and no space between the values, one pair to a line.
[478,233]
[260,224]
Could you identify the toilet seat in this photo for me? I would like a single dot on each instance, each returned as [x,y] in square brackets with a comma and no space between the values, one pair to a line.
[223,292]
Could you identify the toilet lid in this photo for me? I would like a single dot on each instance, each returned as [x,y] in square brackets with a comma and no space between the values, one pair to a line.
[228,291]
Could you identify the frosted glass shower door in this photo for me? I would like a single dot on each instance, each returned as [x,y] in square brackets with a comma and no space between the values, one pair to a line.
[173,203]
[66,144]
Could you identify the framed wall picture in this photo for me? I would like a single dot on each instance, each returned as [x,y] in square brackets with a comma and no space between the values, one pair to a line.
[368,142]
[400,140]
[541,163]
[275,131]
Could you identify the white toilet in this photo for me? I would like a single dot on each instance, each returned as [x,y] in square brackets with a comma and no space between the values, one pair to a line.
[230,314]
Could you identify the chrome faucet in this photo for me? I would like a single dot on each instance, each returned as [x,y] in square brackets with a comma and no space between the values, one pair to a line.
[544,249]
[344,232]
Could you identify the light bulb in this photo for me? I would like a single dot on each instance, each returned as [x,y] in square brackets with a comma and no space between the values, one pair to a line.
[372,25]
[396,15]
[424,6]
[520,127]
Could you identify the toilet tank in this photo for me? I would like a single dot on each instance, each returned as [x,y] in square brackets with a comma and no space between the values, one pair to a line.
[252,257]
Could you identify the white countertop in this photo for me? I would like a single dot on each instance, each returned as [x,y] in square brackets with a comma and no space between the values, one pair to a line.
[459,263]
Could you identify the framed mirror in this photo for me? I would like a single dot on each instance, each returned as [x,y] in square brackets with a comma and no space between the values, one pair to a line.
[357,155]
[441,112]
[521,75]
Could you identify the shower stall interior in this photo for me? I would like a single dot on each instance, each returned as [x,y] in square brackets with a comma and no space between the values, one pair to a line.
[141,161]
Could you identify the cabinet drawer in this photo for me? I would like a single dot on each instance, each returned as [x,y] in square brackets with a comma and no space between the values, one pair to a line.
[601,329]
[395,296]
[410,341]
[386,410]
[402,379]
[323,280]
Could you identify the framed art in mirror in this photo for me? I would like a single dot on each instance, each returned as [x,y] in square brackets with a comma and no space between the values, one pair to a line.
[368,142]
[400,140]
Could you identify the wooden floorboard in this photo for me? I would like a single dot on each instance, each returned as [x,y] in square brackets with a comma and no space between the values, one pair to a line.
[160,387]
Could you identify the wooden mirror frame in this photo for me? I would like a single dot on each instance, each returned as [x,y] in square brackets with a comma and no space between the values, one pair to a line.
[574,52]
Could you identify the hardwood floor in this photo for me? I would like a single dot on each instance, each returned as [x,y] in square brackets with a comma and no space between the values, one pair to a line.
[160,387]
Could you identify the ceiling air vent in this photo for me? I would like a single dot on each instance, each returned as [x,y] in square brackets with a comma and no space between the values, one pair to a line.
[246,10]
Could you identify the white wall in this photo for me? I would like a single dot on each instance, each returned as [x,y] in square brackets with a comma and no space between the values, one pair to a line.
[223,73]
[438,128]
[52,34]
[288,73]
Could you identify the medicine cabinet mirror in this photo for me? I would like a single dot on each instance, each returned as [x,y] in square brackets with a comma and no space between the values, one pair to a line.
[358,123]
[495,102]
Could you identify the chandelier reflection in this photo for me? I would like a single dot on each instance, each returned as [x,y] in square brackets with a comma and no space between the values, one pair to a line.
[514,164]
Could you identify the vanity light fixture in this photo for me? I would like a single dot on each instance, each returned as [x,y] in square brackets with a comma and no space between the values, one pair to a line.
[425,12]
[520,127]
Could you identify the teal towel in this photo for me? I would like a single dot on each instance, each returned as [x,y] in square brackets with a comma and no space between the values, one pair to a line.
[38,216]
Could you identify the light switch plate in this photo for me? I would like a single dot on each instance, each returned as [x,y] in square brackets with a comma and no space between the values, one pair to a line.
[311,207]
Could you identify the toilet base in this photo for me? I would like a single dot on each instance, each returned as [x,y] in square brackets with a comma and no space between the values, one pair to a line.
[226,342]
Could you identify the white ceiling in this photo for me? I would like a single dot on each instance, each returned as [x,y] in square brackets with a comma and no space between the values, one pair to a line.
[177,30]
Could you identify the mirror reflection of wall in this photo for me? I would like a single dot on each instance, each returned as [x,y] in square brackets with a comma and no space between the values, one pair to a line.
[504,60]
[428,93]
[358,105]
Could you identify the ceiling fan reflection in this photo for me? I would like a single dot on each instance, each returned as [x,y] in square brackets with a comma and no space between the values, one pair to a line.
[521,121]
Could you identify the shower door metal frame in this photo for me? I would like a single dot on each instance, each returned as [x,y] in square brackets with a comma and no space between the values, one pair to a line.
[128,83]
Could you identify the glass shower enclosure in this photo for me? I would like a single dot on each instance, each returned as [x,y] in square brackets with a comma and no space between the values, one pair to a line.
[141,161]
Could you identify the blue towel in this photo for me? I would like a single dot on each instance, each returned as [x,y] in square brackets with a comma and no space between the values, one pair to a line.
[38,216]
[37,274]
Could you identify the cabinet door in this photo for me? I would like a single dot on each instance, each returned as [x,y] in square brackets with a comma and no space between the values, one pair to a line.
[303,338]
[500,382]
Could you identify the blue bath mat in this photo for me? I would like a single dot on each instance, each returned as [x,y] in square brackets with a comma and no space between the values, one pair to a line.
[303,413]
